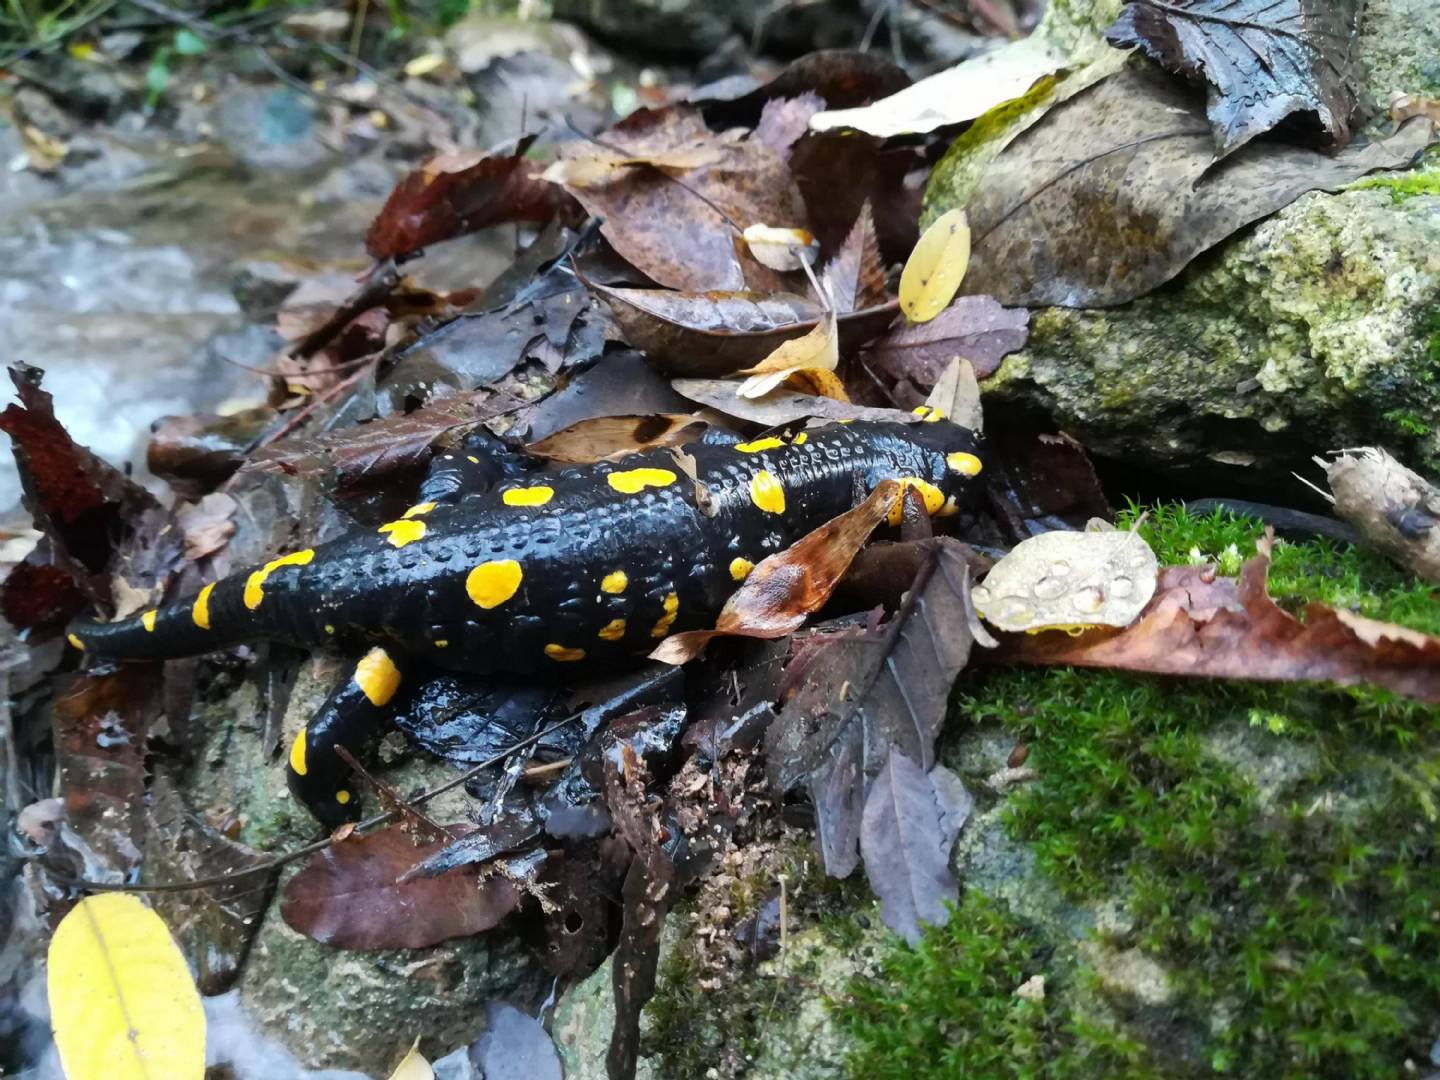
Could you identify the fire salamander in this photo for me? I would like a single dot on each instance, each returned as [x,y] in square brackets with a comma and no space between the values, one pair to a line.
[504,572]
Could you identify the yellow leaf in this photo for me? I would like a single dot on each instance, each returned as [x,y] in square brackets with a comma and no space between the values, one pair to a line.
[935,268]
[122,1002]
[781,249]
[819,348]
[413,1066]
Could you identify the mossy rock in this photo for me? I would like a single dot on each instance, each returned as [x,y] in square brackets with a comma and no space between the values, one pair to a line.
[1318,328]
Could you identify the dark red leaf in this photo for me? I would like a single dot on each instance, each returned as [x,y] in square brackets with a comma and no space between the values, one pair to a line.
[856,273]
[974,328]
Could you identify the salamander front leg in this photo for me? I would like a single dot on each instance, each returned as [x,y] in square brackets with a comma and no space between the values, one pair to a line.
[353,716]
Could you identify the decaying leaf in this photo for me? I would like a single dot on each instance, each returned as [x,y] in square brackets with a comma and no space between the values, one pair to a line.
[207,525]
[449,195]
[604,438]
[1201,625]
[974,327]
[683,231]
[781,249]
[708,334]
[788,586]
[1115,191]
[779,406]
[963,92]
[856,275]
[1395,509]
[903,843]
[122,1004]
[1265,60]
[413,1065]
[600,166]
[347,896]
[1067,579]
[957,396]
[859,696]
[936,267]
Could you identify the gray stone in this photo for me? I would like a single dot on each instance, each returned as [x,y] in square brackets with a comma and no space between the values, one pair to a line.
[1318,328]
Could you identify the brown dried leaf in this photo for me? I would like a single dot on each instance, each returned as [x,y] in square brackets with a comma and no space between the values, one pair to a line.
[1231,629]
[790,585]
[904,845]
[347,896]
[779,406]
[207,525]
[604,438]
[855,275]
[973,327]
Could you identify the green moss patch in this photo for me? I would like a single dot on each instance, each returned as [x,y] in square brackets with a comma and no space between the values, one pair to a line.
[1272,850]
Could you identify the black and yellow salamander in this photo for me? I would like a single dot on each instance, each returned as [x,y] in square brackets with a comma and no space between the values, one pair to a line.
[503,572]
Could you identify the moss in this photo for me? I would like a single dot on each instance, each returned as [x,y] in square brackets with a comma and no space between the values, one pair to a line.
[1423,179]
[1271,848]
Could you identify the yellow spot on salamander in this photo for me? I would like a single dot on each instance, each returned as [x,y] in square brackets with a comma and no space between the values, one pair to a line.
[633,481]
[531,496]
[759,445]
[342,796]
[740,568]
[929,415]
[492,583]
[75,641]
[148,620]
[560,652]
[297,753]
[377,676]
[614,630]
[442,644]
[672,608]
[402,532]
[766,492]
[418,510]
[472,459]
[933,496]
[255,584]
[964,464]
[200,610]
[614,582]
[330,629]
[800,440]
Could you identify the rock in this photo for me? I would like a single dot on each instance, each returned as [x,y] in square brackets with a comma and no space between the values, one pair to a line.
[1316,329]
[270,128]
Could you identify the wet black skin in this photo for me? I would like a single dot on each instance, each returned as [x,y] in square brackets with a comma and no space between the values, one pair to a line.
[408,594]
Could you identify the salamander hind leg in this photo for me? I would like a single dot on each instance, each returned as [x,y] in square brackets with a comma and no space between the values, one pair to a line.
[474,467]
[354,716]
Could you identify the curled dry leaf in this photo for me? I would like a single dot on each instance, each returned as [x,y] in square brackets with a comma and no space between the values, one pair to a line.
[1067,579]
[855,277]
[450,195]
[791,584]
[779,406]
[347,896]
[604,438]
[1265,60]
[122,1003]
[935,268]
[1229,629]
[954,96]
[817,350]
[602,166]
[781,249]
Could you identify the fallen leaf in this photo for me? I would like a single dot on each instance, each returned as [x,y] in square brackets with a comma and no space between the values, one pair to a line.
[122,1003]
[707,334]
[784,588]
[598,166]
[449,195]
[856,276]
[890,178]
[683,232]
[902,842]
[976,328]
[1066,579]
[1055,225]
[783,120]
[858,696]
[515,1046]
[620,382]
[936,267]
[956,396]
[347,896]
[779,406]
[207,525]
[1265,60]
[1228,629]
[954,96]
[841,78]
[605,438]
[1403,106]
[506,833]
